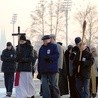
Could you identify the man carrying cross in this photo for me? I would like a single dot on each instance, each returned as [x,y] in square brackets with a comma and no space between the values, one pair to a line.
[83,76]
[23,81]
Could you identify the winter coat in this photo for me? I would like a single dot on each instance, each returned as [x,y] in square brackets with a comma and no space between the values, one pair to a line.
[60,59]
[93,80]
[48,59]
[8,58]
[24,58]
[96,65]
[67,54]
[34,52]
[72,55]
[63,80]
[86,62]
[74,52]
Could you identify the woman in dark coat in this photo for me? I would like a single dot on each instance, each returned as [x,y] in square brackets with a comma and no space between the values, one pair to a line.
[8,67]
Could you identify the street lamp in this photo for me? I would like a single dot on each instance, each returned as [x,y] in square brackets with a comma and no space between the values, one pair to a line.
[13,21]
[66,8]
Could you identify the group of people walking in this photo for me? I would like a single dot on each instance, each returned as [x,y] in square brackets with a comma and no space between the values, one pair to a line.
[82,78]
[20,62]
[61,72]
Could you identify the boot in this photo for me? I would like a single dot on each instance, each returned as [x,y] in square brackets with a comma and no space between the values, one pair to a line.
[32,97]
[8,94]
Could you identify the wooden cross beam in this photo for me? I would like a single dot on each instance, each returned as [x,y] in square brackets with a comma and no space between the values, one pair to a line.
[18,34]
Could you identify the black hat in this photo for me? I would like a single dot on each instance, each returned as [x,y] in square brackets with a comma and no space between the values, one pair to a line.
[9,44]
[22,37]
[60,43]
[46,37]
[70,47]
[77,40]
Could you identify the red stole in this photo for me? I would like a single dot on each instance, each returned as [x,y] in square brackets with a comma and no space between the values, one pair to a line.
[17,77]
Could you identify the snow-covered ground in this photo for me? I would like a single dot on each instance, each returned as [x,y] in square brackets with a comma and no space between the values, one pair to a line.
[3,91]
[37,85]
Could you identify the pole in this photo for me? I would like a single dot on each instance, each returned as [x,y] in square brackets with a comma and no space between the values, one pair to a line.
[66,15]
[13,21]
[13,36]
[66,9]
[84,28]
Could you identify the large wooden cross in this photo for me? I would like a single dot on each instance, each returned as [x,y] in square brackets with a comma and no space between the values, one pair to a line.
[18,34]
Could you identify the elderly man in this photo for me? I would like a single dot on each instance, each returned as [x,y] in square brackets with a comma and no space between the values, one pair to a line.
[48,68]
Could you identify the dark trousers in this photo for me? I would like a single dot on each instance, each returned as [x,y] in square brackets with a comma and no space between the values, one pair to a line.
[49,86]
[71,83]
[9,79]
[73,90]
[63,86]
[96,84]
[83,87]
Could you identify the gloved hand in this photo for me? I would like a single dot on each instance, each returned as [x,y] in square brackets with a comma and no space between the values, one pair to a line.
[72,56]
[47,59]
[19,57]
[79,62]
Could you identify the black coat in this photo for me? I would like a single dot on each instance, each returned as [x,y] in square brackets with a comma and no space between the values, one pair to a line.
[34,58]
[24,58]
[63,82]
[8,58]
[85,66]
[75,49]
[67,54]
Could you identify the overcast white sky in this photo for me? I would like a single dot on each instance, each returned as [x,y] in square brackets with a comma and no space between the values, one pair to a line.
[23,8]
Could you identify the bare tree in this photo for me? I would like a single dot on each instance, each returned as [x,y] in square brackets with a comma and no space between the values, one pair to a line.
[47,19]
[57,17]
[42,16]
[51,16]
[90,15]
[37,29]
[38,18]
